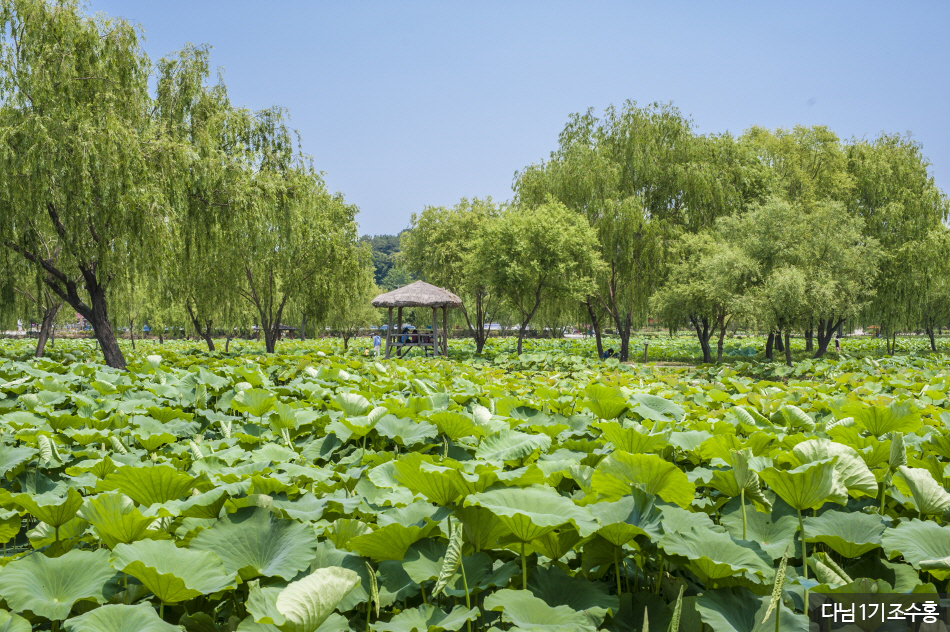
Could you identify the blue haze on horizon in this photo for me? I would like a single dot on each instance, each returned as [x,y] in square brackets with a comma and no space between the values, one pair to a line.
[409,104]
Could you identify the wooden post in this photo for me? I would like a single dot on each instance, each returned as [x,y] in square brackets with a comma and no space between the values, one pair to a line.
[445,331]
[398,330]
[435,332]
[389,334]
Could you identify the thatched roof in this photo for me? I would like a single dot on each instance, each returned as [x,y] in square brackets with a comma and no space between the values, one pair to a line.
[418,294]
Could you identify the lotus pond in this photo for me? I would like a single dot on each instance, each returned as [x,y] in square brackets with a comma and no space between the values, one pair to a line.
[315,490]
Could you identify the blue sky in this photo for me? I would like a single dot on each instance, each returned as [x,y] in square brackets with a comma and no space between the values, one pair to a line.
[409,104]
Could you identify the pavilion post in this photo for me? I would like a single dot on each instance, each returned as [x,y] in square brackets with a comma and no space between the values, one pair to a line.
[435,331]
[389,334]
[399,330]
[445,331]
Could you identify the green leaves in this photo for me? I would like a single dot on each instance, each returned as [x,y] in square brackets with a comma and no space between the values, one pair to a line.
[527,612]
[252,543]
[171,573]
[805,487]
[303,605]
[621,472]
[49,587]
[120,618]
[531,512]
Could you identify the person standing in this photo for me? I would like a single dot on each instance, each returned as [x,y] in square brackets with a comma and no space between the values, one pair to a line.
[377,343]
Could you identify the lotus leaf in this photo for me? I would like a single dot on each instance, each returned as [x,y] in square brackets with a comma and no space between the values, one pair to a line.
[13,623]
[850,534]
[805,487]
[532,614]
[621,472]
[427,618]
[715,556]
[120,618]
[528,513]
[252,543]
[149,485]
[918,541]
[738,610]
[303,605]
[510,445]
[928,496]
[49,587]
[173,574]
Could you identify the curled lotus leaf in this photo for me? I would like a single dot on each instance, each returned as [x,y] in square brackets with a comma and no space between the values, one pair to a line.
[303,605]
[120,618]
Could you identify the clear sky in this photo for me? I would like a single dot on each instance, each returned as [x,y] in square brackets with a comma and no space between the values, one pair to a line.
[409,104]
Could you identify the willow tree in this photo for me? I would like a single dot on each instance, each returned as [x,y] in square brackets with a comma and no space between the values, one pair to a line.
[530,255]
[440,246]
[895,194]
[640,176]
[81,161]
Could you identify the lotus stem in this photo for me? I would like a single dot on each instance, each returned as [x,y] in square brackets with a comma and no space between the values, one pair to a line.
[57,534]
[801,529]
[468,599]
[161,611]
[617,566]
[742,504]
[55,626]
[524,569]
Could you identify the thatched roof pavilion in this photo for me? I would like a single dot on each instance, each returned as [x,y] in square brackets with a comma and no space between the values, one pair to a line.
[418,294]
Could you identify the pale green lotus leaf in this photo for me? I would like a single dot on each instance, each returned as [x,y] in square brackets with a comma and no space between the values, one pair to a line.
[511,445]
[927,495]
[852,471]
[303,605]
[254,401]
[604,401]
[389,542]
[50,507]
[11,457]
[557,588]
[620,472]
[808,486]
[13,623]
[406,431]
[880,420]
[116,519]
[715,556]
[49,587]
[918,541]
[427,618]
[173,574]
[776,532]
[848,533]
[120,618]
[738,610]
[251,542]
[438,484]
[656,408]
[482,528]
[149,485]
[531,614]
[455,425]
[637,440]
[792,417]
[44,534]
[621,521]
[352,404]
[530,512]
[334,623]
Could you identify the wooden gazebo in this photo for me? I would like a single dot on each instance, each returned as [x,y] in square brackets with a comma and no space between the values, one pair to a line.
[418,294]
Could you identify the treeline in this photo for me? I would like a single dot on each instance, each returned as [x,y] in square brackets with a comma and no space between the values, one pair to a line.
[638,216]
[165,205]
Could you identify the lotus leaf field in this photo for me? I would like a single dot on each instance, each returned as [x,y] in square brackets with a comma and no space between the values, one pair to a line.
[320,490]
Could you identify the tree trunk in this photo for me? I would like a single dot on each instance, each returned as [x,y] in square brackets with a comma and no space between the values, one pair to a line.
[769,346]
[703,333]
[49,316]
[595,326]
[809,336]
[207,336]
[161,338]
[933,341]
[303,327]
[788,348]
[779,343]
[722,338]
[624,332]
[827,328]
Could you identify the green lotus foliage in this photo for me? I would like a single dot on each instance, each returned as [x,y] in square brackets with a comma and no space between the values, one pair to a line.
[309,489]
